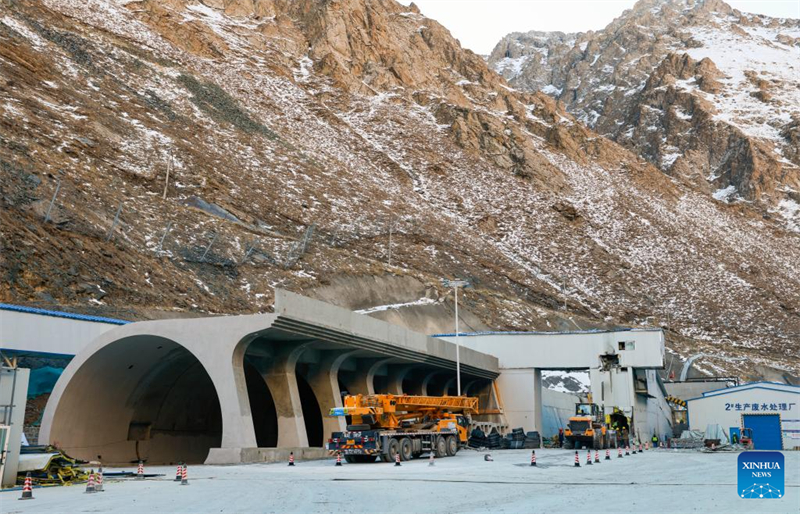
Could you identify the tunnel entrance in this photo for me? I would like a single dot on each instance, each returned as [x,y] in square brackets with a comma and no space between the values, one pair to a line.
[262,407]
[139,398]
[311,413]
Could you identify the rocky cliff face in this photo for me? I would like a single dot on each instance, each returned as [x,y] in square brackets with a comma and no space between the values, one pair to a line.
[202,153]
[708,94]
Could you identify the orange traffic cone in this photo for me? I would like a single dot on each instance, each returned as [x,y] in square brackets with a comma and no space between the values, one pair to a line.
[338,459]
[291,458]
[577,460]
[27,489]
[533,457]
[178,473]
[140,471]
[185,475]
[90,483]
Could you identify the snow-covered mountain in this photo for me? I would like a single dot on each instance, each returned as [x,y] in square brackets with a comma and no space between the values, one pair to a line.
[707,93]
[201,154]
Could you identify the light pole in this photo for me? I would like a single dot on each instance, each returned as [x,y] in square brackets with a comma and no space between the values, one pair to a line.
[455,284]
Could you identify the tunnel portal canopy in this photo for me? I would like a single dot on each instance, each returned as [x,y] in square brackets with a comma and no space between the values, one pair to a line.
[137,397]
[212,389]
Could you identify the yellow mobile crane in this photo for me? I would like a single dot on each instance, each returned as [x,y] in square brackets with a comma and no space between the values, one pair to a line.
[386,425]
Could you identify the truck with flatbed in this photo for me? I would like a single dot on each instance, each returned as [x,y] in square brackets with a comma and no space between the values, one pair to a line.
[385,426]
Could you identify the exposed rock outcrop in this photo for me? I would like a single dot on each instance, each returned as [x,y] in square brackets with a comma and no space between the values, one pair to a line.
[696,87]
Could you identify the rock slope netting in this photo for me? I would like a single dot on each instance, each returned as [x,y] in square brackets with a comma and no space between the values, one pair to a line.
[706,93]
[202,154]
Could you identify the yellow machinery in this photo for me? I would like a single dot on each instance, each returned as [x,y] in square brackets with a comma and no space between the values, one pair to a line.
[590,428]
[387,425]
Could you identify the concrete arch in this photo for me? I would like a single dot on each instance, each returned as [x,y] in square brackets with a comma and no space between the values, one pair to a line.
[325,380]
[430,386]
[142,397]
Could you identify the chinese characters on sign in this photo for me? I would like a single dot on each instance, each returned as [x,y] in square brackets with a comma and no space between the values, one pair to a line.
[757,407]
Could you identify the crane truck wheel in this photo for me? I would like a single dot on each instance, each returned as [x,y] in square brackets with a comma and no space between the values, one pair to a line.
[393,449]
[405,449]
[452,446]
[441,447]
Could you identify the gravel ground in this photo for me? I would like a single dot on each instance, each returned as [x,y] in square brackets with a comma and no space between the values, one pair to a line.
[654,482]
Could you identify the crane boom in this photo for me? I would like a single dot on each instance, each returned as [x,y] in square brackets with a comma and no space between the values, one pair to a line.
[401,426]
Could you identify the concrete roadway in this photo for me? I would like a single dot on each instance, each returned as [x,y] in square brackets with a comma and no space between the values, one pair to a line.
[661,481]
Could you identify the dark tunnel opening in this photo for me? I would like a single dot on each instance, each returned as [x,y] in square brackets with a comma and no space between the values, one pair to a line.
[311,413]
[262,407]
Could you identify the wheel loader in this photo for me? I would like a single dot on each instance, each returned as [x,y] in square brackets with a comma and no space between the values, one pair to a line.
[590,428]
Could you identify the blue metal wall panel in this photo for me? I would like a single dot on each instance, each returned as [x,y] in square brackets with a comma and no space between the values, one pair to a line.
[766,430]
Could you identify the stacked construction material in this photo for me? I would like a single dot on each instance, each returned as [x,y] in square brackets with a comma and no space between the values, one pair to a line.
[48,465]
[516,440]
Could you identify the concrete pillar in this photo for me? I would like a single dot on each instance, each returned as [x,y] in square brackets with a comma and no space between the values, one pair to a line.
[364,381]
[282,382]
[14,393]
[521,390]
[537,400]
[324,381]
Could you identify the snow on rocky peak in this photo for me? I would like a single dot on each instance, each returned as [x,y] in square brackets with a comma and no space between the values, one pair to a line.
[707,93]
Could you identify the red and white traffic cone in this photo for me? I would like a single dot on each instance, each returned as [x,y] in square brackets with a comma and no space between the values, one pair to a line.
[647,446]
[291,458]
[98,485]
[627,450]
[430,460]
[90,483]
[27,489]
[140,471]
[185,475]
[608,454]
[397,459]
[588,457]
[596,457]
[178,473]
[713,446]
[338,458]
[577,460]
[640,448]
[619,452]
[633,450]
[533,457]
